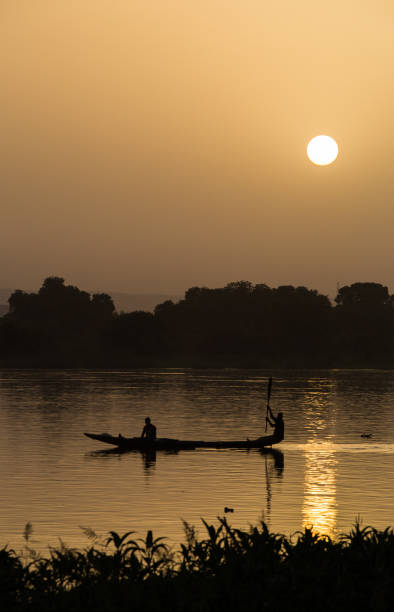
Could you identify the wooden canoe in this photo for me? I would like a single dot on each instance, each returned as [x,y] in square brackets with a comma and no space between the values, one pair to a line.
[172,443]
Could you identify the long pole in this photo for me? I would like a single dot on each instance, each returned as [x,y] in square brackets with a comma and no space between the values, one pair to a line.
[268,400]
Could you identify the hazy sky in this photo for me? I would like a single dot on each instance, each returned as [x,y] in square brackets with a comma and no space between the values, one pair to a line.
[154,145]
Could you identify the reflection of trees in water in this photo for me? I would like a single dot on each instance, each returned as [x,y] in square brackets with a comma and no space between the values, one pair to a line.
[51,389]
[363,384]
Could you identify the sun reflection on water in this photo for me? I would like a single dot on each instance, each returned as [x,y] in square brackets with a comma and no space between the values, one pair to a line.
[320,505]
[319,509]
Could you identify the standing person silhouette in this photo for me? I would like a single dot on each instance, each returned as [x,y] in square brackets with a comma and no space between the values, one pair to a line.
[149,431]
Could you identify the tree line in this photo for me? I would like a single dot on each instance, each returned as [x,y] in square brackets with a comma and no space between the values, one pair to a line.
[239,325]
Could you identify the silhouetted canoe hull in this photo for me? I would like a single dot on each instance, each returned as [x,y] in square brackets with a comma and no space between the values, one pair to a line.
[172,443]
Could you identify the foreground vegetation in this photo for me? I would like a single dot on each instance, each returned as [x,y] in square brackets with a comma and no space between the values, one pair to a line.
[229,569]
[239,325]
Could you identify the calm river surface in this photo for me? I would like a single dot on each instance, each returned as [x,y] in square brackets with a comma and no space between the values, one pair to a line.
[324,474]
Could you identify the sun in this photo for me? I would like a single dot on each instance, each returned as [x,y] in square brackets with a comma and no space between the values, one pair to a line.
[322,150]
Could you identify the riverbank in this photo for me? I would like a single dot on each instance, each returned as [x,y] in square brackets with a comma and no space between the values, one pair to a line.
[79,360]
[240,325]
[229,569]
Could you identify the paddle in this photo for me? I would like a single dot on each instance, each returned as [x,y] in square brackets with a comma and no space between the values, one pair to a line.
[268,400]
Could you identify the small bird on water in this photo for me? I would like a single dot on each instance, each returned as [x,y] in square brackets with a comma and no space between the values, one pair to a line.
[365,435]
[228,509]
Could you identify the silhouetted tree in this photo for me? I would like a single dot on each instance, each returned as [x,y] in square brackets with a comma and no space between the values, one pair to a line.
[364,295]
[60,322]
[364,322]
[102,307]
[251,323]
[137,332]
[239,324]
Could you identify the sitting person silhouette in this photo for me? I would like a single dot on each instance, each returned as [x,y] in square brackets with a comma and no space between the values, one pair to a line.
[278,424]
[149,431]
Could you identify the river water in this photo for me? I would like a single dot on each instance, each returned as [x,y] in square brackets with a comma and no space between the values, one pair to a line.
[324,474]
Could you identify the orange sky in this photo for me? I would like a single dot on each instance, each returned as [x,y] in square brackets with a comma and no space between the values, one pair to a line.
[154,145]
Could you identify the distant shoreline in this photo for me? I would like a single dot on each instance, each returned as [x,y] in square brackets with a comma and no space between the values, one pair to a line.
[188,365]
[240,325]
